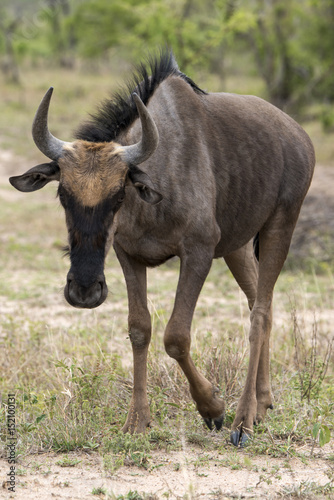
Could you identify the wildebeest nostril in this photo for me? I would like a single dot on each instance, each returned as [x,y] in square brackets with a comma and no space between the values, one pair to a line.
[85,297]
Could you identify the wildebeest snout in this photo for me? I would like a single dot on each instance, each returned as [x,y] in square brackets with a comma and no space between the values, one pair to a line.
[87,297]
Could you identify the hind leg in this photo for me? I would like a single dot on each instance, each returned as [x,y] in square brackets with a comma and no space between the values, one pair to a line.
[275,240]
[245,268]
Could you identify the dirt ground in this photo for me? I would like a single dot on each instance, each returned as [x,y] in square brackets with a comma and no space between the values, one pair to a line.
[255,477]
[178,474]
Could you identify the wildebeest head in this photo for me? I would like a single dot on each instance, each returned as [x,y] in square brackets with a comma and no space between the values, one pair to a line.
[92,179]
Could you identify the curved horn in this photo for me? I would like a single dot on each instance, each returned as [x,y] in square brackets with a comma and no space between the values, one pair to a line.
[44,140]
[137,153]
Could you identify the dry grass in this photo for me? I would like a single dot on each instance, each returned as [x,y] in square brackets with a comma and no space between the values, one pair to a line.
[56,359]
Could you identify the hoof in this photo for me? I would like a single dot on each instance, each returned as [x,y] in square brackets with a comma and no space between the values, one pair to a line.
[218,422]
[235,437]
[208,422]
[239,438]
[244,439]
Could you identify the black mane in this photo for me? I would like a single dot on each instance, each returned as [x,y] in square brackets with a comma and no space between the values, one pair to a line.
[119,112]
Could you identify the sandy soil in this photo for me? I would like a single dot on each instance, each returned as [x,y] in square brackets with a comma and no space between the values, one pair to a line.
[39,477]
[250,477]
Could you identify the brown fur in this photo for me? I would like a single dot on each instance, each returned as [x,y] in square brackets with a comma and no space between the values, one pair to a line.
[92,171]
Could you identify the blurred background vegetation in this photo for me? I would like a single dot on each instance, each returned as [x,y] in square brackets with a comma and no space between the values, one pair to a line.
[287,44]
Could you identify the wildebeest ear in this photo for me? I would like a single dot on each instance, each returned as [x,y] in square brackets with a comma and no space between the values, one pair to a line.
[144,185]
[37,177]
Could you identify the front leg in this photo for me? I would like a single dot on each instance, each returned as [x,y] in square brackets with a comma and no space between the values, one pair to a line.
[194,270]
[138,418]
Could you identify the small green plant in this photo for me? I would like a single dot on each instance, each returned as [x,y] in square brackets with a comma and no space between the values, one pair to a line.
[322,419]
[311,366]
[112,462]
[269,476]
[68,461]
[321,431]
[134,495]
[99,491]
[307,489]
[35,466]
[129,449]
[21,471]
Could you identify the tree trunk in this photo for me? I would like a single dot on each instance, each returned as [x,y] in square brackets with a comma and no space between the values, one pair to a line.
[9,64]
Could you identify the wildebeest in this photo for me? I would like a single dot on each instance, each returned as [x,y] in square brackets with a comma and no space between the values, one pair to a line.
[217,171]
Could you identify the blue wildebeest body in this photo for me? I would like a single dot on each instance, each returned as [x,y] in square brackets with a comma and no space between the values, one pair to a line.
[216,170]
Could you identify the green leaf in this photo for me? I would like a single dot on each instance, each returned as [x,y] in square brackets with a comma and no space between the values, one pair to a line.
[315,430]
[40,418]
[324,436]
